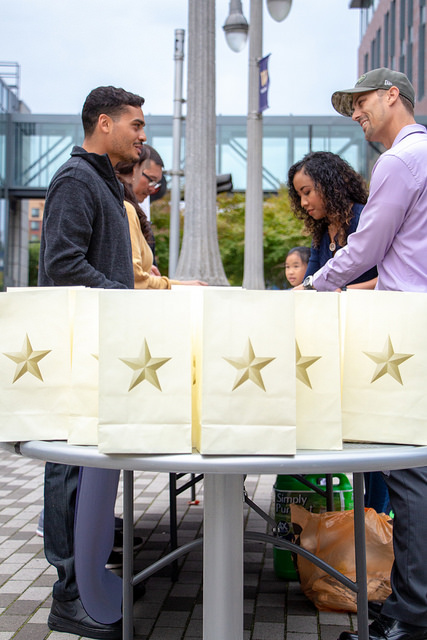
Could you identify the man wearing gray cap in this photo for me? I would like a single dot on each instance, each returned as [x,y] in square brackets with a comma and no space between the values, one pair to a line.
[392,234]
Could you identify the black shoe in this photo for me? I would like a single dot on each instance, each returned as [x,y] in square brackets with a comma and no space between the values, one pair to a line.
[374,609]
[138,542]
[71,617]
[384,628]
[115,560]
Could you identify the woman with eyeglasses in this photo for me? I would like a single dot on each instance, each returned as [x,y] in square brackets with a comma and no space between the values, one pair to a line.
[150,181]
[139,180]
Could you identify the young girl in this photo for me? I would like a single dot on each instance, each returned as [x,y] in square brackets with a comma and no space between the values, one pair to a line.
[296,265]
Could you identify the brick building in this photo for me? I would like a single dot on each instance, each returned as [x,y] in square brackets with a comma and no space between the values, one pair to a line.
[393,34]
[35,219]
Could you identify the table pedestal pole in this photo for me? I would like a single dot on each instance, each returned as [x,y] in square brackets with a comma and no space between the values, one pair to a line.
[223,557]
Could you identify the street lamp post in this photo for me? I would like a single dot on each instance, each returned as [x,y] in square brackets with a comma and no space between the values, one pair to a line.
[176,156]
[236,30]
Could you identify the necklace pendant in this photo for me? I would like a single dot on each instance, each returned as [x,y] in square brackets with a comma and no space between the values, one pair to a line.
[332,246]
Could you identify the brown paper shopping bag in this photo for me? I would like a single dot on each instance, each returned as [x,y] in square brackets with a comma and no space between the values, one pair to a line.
[83,423]
[384,373]
[318,370]
[35,351]
[246,383]
[144,372]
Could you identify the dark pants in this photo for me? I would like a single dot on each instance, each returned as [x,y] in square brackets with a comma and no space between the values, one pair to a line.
[376,492]
[408,497]
[60,492]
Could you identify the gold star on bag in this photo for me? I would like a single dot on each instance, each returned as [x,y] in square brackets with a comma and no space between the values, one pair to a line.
[145,367]
[27,360]
[249,367]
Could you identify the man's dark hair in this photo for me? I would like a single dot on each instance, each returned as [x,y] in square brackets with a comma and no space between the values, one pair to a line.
[109,100]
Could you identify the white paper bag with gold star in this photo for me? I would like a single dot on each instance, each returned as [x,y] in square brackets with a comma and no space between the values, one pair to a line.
[318,369]
[247,375]
[35,353]
[384,374]
[83,424]
[145,372]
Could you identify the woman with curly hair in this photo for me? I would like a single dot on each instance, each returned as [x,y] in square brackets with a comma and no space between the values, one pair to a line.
[328,196]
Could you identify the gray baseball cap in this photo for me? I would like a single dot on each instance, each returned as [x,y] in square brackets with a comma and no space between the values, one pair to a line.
[383,78]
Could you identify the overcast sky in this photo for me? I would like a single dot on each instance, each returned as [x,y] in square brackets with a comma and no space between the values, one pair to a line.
[67,47]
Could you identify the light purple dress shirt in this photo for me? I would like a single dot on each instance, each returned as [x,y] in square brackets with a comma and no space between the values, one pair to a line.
[392,231]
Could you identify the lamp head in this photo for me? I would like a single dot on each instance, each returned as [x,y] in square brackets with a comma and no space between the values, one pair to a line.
[236,27]
[279,9]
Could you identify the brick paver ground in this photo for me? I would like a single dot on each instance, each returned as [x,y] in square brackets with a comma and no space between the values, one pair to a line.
[273,609]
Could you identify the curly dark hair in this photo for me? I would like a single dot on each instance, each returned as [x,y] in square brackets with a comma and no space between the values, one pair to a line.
[125,169]
[339,185]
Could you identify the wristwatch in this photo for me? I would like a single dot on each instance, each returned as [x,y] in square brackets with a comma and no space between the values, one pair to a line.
[308,282]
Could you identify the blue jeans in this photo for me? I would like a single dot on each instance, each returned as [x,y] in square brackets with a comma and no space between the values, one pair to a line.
[60,492]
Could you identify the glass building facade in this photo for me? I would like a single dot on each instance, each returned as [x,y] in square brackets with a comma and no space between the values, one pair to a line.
[32,147]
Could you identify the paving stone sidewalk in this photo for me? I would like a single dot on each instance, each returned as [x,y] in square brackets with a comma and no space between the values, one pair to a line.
[273,609]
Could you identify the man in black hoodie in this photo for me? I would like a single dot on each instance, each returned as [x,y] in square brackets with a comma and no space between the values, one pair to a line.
[85,241]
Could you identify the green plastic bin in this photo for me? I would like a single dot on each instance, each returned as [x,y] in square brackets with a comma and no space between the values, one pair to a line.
[289,490]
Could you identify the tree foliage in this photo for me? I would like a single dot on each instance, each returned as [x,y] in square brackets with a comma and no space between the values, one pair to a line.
[33,263]
[281,232]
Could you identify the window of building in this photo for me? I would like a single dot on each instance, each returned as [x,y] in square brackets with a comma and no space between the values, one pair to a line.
[410,39]
[366,63]
[402,36]
[378,49]
[35,225]
[35,213]
[386,37]
[393,35]
[421,50]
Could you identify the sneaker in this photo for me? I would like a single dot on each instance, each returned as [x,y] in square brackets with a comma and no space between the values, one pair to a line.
[40,525]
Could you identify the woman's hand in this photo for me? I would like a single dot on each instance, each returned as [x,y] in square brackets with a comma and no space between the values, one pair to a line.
[194,283]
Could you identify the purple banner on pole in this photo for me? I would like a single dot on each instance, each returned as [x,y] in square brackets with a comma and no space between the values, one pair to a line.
[264,83]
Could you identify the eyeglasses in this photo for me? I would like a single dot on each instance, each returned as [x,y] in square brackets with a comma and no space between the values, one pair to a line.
[152,183]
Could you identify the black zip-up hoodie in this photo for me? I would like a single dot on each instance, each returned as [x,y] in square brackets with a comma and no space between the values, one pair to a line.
[85,236]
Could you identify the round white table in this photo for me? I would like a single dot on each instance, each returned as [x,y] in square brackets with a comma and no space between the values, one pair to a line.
[223,514]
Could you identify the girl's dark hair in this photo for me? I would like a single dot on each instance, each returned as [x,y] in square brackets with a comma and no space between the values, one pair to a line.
[303,252]
[339,185]
[125,169]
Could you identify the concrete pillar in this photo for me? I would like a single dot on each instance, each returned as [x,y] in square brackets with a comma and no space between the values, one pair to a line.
[200,258]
